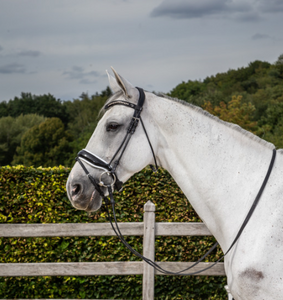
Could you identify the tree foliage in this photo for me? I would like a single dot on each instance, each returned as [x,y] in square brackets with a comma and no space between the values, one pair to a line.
[84,115]
[46,144]
[11,132]
[235,112]
[250,96]
[272,122]
[44,105]
[78,119]
[279,66]
[260,86]
[244,81]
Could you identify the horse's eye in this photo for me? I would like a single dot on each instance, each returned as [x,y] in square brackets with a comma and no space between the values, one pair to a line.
[112,127]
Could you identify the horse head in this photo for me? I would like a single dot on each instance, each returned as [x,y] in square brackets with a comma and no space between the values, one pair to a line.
[118,148]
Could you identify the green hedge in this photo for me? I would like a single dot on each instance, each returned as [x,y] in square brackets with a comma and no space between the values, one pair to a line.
[29,195]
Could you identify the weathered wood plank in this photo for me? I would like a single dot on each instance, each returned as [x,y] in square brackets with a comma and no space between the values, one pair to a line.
[217,270]
[181,229]
[71,269]
[100,268]
[100,229]
[68,229]
[148,250]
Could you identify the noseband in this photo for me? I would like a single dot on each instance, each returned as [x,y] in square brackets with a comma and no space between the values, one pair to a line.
[110,170]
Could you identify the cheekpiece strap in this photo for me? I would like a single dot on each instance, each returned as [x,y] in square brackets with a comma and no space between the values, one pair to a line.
[139,106]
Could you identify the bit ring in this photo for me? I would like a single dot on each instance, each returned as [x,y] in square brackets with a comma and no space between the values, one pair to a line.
[101,183]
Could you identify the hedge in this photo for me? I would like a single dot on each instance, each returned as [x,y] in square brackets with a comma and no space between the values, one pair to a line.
[38,195]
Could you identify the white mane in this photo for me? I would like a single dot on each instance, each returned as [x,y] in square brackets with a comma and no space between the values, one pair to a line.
[215,118]
[205,113]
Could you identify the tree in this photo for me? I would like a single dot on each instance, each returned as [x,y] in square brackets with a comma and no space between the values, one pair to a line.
[46,144]
[11,132]
[84,115]
[235,112]
[187,90]
[44,105]
[7,131]
[276,135]
[279,65]
[272,122]
[3,109]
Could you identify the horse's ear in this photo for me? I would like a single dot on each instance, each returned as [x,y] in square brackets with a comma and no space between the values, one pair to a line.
[113,83]
[128,89]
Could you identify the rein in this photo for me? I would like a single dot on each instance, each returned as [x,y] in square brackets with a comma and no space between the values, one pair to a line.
[110,170]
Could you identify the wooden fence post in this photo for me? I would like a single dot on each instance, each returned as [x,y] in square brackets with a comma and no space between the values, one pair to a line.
[148,250]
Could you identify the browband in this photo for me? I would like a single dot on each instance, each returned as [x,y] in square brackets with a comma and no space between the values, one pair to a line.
[119,102]
[136,107]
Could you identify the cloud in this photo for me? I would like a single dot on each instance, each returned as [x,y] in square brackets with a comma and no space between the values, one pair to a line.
[12,68]
[250,16]
[80,74]
[1,48]
[187,9]
[260,36]
[181,9]
[31,53]
[271,6]
[242,10]
[87,81]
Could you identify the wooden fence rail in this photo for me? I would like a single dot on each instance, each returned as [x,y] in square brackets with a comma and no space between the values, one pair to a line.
[149,229]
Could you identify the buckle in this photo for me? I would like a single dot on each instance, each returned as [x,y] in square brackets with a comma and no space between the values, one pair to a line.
[133,125]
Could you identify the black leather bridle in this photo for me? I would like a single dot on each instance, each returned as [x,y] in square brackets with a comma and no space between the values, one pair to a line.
[110,170]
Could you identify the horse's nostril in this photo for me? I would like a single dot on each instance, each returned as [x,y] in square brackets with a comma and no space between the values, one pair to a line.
[76,189]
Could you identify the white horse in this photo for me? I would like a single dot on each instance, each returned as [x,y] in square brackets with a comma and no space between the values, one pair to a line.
[220,168]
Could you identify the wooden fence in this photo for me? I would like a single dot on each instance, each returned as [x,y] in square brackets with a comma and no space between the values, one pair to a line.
[148,229]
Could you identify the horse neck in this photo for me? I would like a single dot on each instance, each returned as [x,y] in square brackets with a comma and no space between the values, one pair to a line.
[212,162]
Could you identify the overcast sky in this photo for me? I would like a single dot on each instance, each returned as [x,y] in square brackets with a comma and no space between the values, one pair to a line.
[63,47]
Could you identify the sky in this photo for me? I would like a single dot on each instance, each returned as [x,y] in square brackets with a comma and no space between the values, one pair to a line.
[64,47]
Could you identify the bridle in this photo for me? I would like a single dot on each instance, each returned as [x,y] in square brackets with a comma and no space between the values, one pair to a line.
[110,170]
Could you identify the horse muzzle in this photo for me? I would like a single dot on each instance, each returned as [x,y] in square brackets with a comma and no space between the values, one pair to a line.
[82,195]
